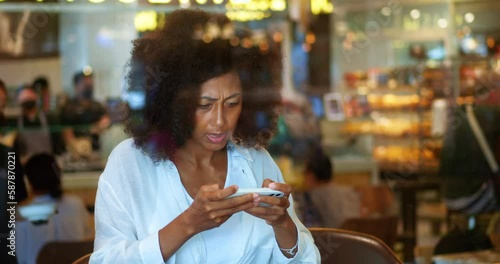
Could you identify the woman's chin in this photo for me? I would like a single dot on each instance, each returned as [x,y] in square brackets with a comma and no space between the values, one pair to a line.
[218,146]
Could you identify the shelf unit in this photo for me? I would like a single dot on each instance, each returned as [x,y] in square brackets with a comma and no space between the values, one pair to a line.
[399,118]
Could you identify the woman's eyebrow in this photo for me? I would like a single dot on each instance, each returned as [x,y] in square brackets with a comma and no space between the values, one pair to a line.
[215,99]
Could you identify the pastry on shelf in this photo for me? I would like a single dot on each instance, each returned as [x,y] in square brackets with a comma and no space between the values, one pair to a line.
[399,154]
[360,127]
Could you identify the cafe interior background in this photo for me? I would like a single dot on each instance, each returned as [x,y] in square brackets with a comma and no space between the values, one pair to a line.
[374,76]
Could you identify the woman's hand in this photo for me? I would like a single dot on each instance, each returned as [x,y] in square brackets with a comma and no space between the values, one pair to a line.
[276,214]
[210,207]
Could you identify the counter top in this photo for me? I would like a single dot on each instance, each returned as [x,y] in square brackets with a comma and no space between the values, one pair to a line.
[474,257]
[81,180]
[356,164]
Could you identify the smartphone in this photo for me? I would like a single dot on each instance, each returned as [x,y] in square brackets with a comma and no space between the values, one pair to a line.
[259,191]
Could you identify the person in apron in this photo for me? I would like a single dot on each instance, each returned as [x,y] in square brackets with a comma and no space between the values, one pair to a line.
[83,118]
[33,128]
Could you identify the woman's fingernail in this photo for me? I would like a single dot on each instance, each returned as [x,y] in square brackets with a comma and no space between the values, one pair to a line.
[272,185]
[255,196]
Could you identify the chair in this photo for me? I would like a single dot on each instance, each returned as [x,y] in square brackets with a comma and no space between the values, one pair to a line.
[64,252]
[349,247]
[385,228]
[83,260]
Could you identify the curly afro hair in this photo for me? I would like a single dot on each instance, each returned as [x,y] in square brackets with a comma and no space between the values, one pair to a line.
[171,64]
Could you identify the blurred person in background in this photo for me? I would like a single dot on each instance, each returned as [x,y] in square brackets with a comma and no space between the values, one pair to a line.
[471,186]
[7,128]
[3,105]
[70,222]
[333,203]
[3,97]
[164,195]
[83,118]
[33,130]
[41,86]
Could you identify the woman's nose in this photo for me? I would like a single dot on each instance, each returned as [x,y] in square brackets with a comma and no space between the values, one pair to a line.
[220,116]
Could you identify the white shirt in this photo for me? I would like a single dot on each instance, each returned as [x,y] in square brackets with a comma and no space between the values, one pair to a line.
[136,198]
[70,223]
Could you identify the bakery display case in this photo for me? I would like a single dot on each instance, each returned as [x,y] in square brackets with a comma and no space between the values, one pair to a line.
[351,155]
[393,71]
[397,113]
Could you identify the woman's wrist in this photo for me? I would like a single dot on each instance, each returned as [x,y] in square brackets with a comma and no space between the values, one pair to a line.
[174,235]
[290,252]
[287,223]
[287,237]
[189,228]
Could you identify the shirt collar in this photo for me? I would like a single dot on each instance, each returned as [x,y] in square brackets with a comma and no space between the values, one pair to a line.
[239,151]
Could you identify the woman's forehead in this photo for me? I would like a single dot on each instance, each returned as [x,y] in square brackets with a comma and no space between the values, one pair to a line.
[228,83]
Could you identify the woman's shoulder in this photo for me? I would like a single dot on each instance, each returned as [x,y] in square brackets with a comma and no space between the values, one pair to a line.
[125,150]
[125,145]
[124,155]
[126,160]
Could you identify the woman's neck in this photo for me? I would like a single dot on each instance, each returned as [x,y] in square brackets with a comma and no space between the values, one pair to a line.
[201,168]
[194,155]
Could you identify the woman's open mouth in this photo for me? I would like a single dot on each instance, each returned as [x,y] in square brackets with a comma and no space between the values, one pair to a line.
[216,138]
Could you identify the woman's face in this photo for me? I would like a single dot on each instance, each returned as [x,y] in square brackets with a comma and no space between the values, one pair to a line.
[218,110]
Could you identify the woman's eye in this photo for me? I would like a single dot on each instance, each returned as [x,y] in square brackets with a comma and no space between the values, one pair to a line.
[232,104]
[204,106]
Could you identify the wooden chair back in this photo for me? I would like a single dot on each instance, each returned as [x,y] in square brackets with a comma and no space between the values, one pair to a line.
[64,252]
[338,246]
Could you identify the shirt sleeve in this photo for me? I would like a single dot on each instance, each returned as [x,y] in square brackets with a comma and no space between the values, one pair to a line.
[116,240]
[307,251]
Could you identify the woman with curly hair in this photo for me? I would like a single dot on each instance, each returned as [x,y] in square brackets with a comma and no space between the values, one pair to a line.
[211,108]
